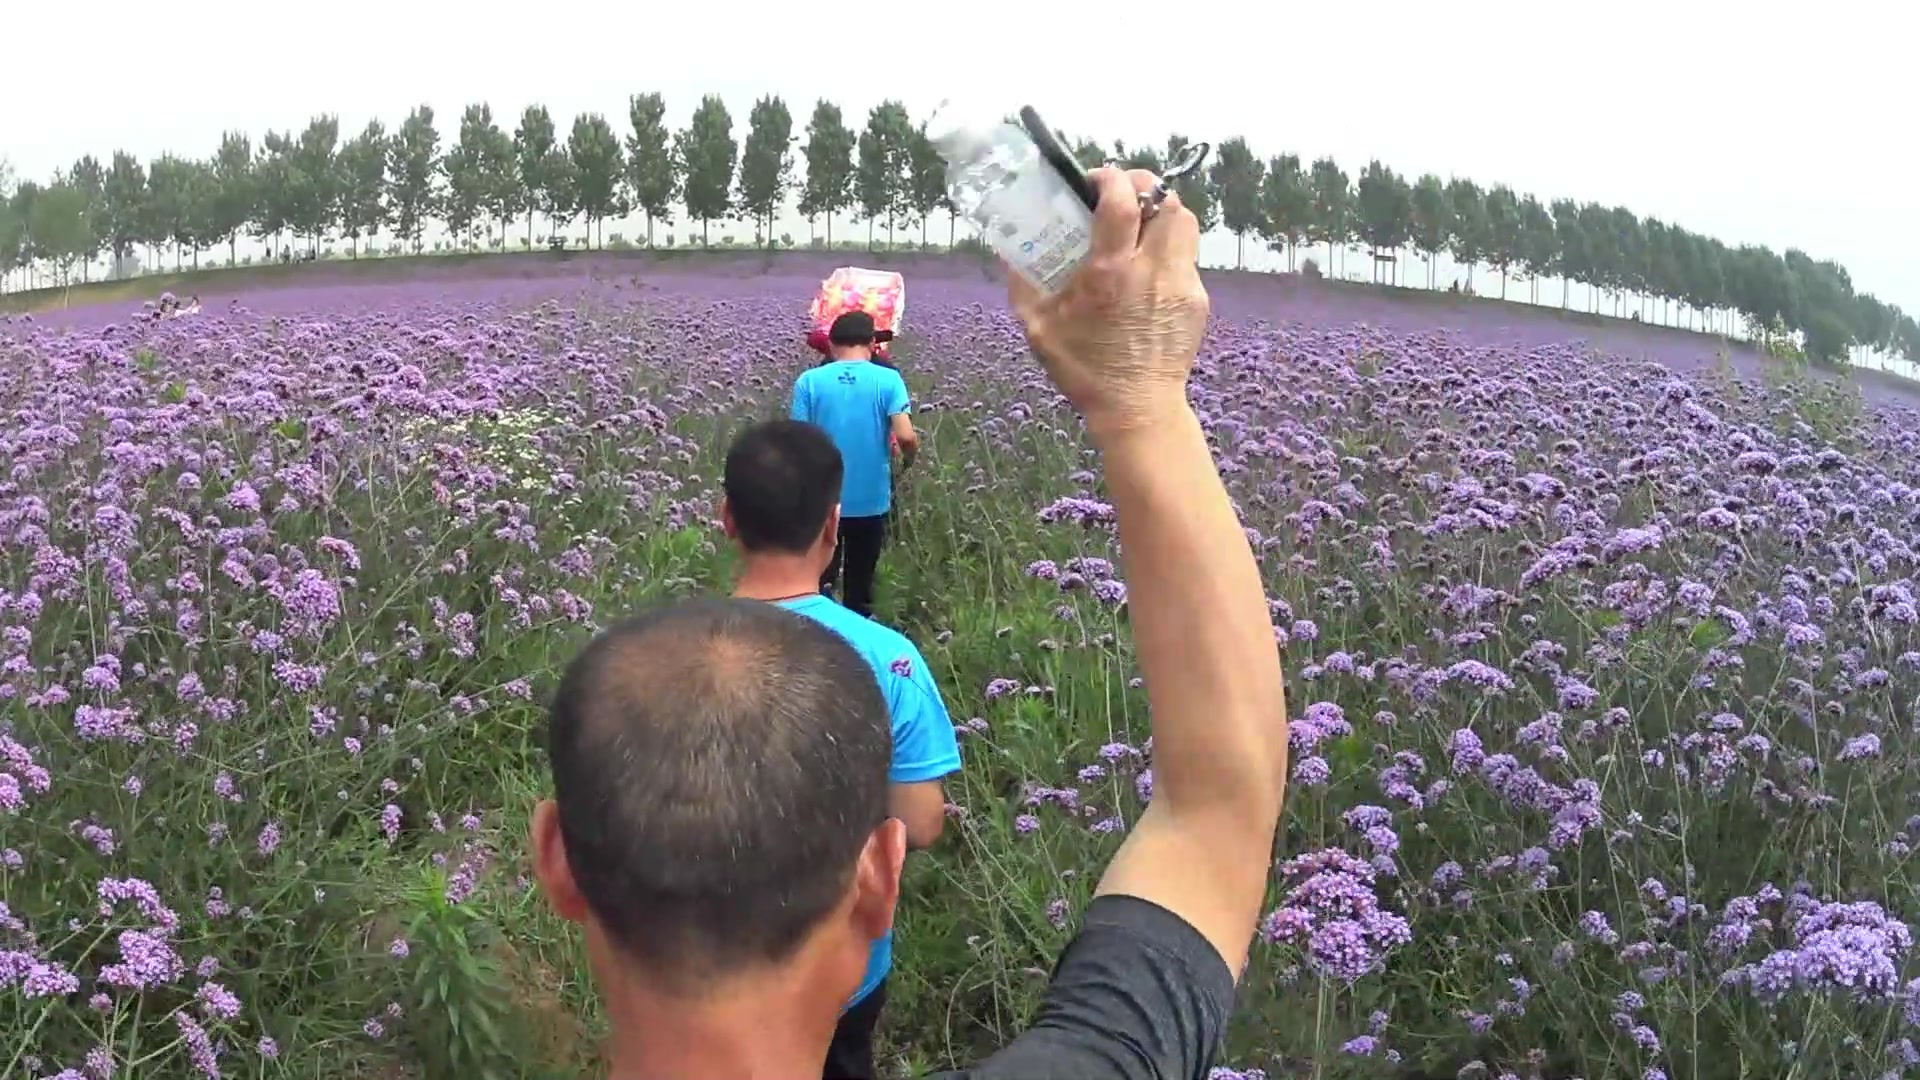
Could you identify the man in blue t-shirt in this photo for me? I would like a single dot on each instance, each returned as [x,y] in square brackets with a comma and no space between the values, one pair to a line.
[863,407]
[782,485]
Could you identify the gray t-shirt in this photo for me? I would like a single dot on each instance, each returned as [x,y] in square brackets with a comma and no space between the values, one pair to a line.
[1138,995]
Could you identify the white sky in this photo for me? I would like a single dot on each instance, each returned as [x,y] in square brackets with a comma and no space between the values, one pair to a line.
[1791,125]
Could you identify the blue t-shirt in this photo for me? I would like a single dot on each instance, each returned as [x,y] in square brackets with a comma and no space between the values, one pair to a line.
[855,401]
[924,747]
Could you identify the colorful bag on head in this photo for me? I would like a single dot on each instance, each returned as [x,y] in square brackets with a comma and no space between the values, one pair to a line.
[880,293]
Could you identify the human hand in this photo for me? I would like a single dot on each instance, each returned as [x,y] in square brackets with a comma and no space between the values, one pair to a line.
[1120,339]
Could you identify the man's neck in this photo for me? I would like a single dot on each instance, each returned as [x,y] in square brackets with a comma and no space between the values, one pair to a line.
[853,354]
[776,577]
[748,1039]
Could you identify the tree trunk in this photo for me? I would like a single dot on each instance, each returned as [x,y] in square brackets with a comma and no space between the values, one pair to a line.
[829,228]
[1239,251]
[953,220]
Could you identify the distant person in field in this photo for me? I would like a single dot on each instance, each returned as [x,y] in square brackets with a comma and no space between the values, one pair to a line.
[723,822]
[781,509]
[863,407]
[817,341]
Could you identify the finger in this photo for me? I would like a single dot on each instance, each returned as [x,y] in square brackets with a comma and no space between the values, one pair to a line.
[1116,220]
[1172,236]
[1145,182]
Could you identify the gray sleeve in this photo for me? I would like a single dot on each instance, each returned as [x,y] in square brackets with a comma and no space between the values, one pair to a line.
[1138,995]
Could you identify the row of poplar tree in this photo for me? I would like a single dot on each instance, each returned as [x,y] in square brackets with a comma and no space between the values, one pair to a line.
[312,185]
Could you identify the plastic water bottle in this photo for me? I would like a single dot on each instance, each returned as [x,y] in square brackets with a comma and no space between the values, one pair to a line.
[1026,211]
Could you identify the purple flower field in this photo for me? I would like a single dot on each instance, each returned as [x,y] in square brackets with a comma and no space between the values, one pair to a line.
[1604,674]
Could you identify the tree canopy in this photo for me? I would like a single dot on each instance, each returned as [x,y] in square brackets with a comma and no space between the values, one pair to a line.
[707,153]
[766,163]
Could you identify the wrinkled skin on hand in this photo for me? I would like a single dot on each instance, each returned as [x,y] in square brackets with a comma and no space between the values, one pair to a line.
[1120,339]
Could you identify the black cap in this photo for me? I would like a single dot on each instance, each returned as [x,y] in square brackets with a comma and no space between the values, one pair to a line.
[851,328]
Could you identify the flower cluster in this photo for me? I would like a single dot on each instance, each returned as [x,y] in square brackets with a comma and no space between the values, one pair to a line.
[1332,913]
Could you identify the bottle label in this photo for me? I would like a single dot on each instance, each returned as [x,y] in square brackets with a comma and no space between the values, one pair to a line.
[1048,232]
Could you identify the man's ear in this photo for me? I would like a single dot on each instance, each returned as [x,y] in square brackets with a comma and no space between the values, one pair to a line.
[877,880]
[830,533]
[550,866]
[726,519]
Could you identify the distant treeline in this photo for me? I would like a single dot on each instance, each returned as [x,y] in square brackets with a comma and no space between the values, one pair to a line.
[314,187]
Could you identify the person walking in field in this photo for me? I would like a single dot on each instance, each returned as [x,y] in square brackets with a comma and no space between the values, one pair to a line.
[780,509]
[722,821]
[863,408]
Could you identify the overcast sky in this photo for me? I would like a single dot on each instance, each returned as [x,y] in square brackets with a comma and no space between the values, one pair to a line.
[1792,126]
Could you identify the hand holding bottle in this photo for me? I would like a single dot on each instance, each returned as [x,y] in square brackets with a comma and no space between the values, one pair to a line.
[1120,338]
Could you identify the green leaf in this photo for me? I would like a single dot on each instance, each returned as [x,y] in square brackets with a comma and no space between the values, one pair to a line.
[483,1019]
[1709,634]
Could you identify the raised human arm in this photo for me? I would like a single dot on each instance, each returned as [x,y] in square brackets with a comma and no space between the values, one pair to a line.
[1145,989]
[1119,342]
[1204,847]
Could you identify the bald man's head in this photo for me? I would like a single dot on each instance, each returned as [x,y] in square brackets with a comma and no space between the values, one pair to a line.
[718,766]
